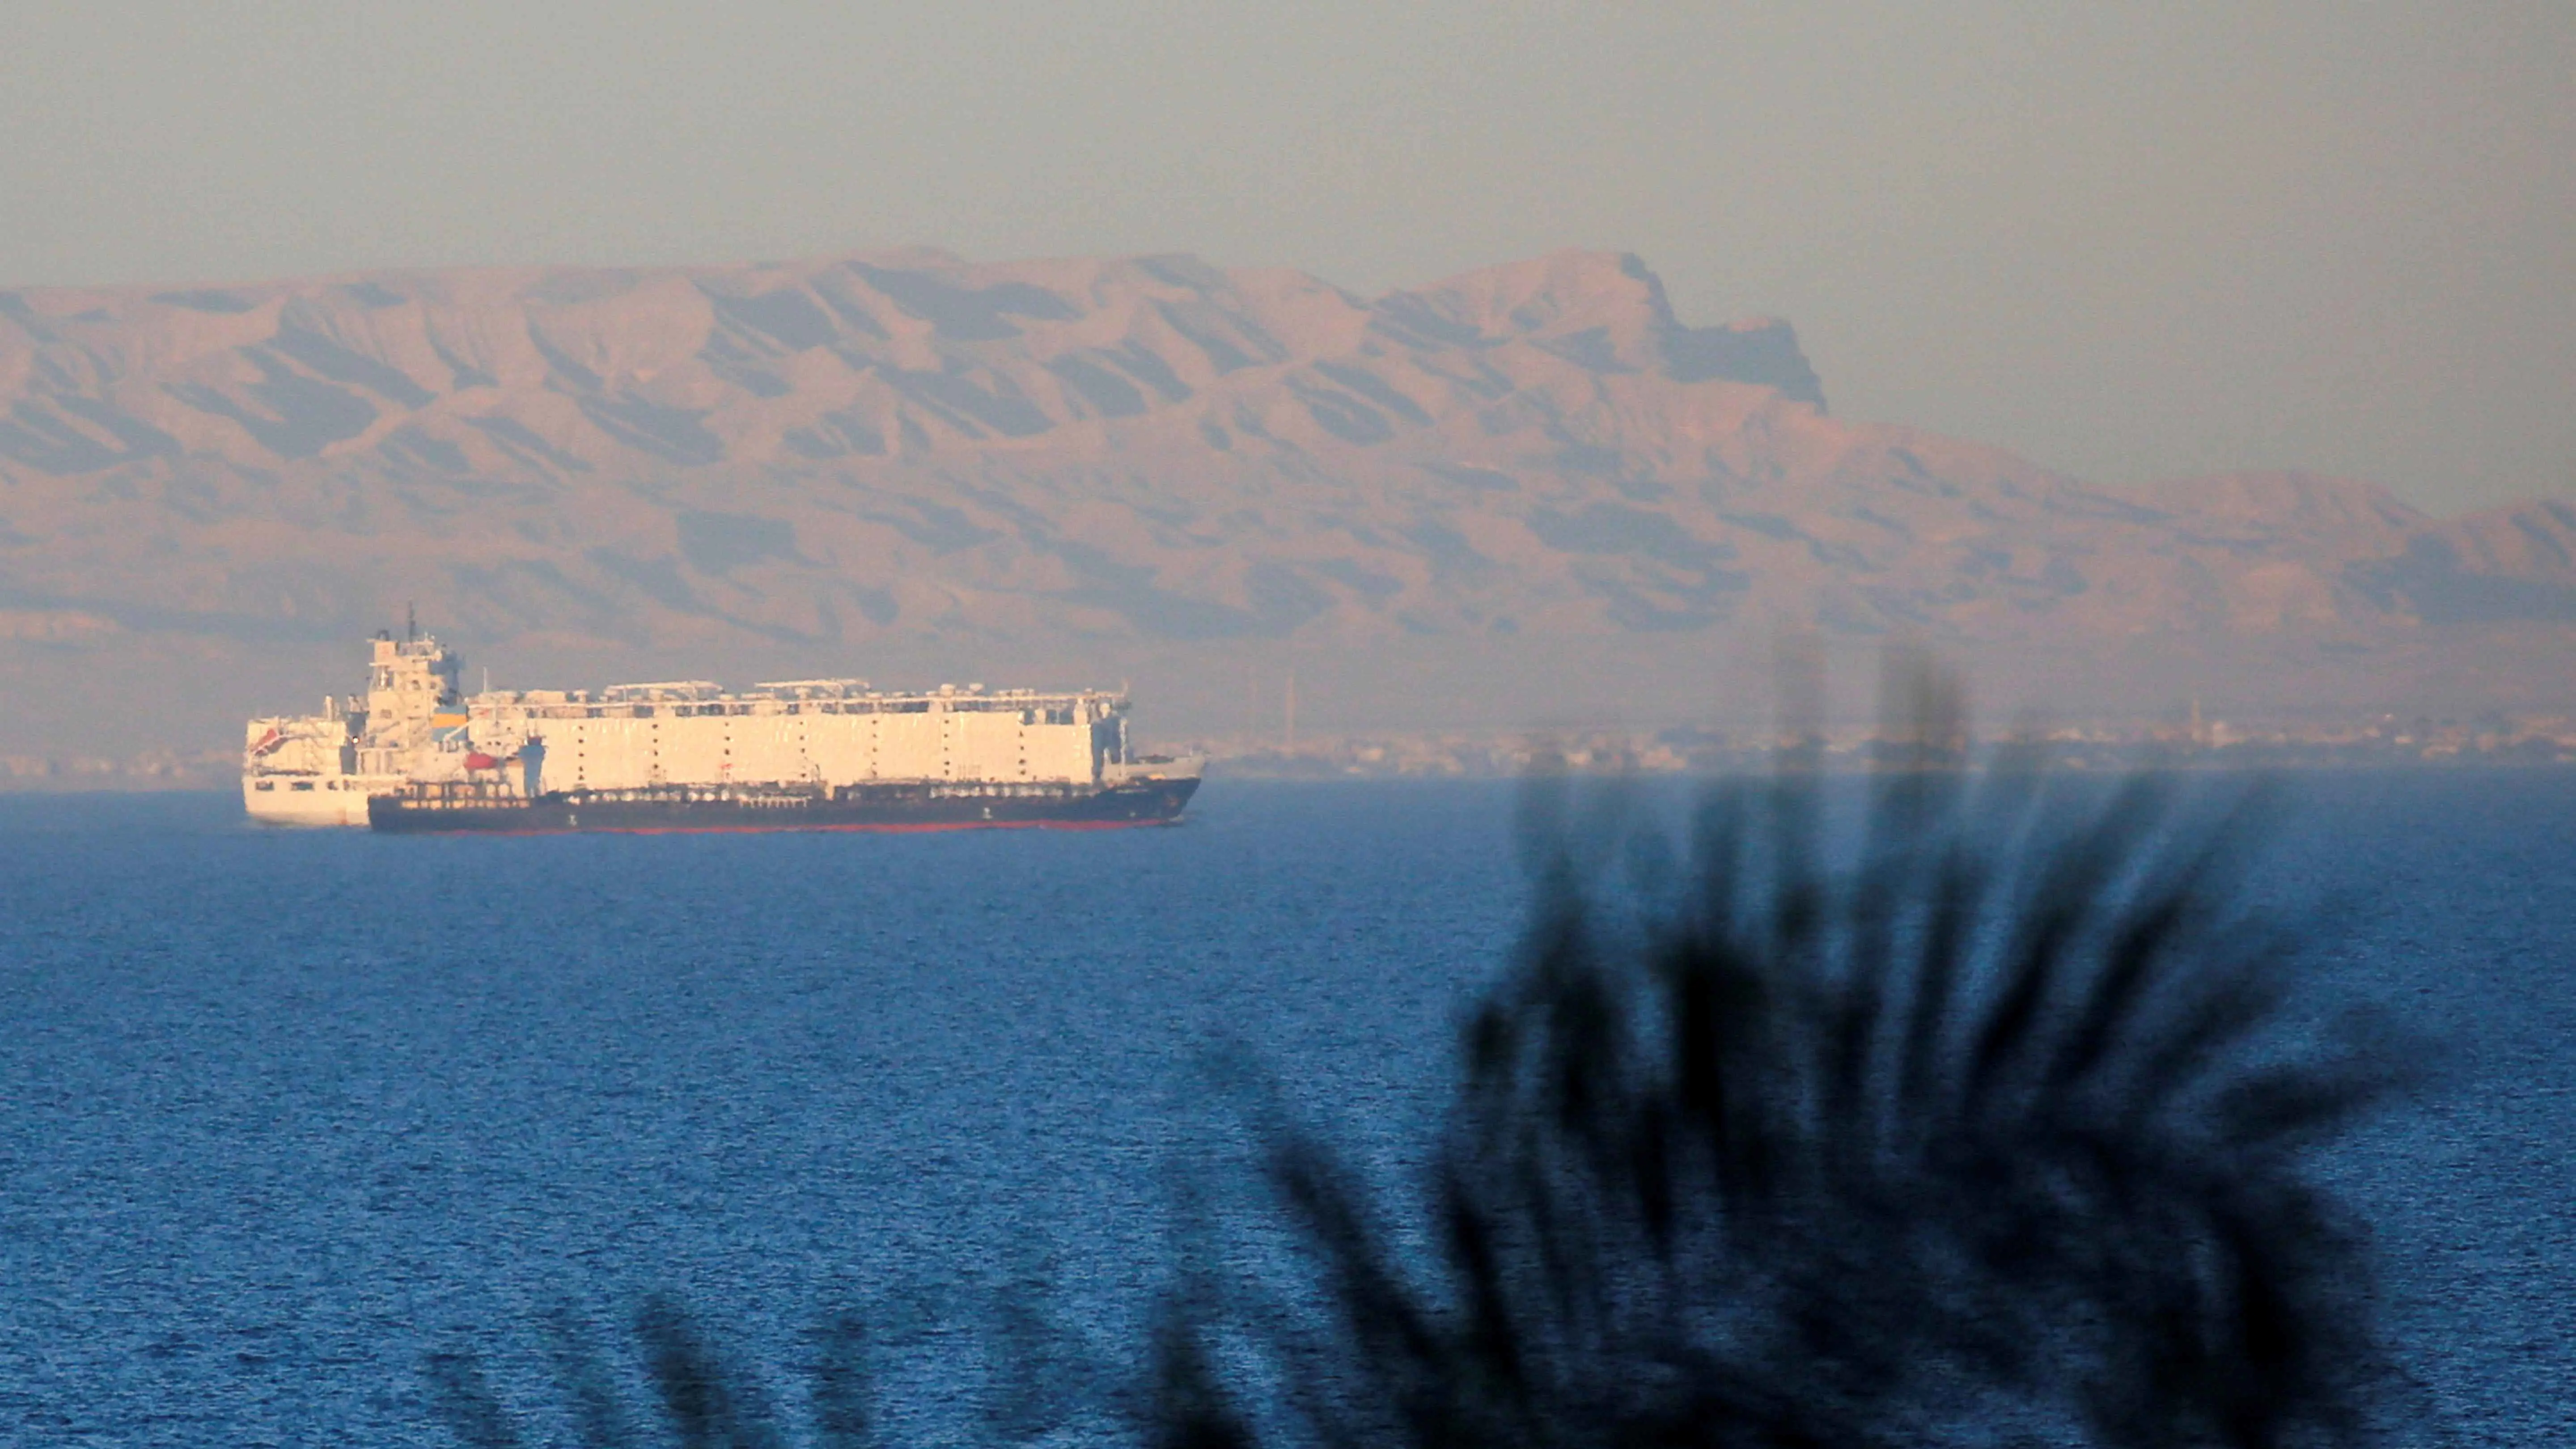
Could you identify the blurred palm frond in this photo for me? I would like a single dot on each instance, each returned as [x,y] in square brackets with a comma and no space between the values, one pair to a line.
[699,1401]
[1988,1121]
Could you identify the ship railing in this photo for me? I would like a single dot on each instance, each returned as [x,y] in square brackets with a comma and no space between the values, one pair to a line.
[1036,706]
[812,689]
[691,689]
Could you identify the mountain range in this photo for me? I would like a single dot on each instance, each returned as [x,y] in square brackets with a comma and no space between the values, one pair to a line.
[1526,494]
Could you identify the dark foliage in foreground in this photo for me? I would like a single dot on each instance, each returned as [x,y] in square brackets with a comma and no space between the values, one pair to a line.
[1989,1137]
[1996,1132]
[698,1402]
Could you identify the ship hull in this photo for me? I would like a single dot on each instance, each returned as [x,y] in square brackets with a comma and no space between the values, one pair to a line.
[722,809]
[321,801]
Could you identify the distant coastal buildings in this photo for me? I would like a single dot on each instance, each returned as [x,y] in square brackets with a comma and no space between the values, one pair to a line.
[2195,743]
[151,770]
[2379,742]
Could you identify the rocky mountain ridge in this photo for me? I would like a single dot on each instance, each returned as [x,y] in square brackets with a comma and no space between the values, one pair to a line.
[906,455]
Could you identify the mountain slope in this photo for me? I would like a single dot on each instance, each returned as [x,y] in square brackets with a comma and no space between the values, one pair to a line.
[905,455]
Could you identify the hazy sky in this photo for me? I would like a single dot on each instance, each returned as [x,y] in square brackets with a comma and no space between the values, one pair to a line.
[2127,240]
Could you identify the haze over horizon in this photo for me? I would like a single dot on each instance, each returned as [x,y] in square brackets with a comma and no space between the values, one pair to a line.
[1019,723]
[2131,242]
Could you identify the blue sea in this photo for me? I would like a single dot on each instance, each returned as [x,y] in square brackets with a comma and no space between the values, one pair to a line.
[282,1114]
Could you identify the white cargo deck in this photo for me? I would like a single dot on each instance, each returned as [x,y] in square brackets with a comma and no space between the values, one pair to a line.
[822,732]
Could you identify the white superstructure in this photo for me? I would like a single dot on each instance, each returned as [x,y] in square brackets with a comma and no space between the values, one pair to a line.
[827,732]
[319,769]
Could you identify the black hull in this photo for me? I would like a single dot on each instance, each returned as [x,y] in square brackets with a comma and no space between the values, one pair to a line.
[674,810]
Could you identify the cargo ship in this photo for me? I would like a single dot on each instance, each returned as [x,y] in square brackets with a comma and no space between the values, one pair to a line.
[413,755]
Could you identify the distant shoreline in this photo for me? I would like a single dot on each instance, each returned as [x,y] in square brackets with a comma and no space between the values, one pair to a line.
[1323,765]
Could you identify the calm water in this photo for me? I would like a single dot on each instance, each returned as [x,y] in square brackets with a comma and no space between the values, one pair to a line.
[284,1113]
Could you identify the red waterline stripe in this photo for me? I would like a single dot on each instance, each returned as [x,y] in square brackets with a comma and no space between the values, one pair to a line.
[921,829]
